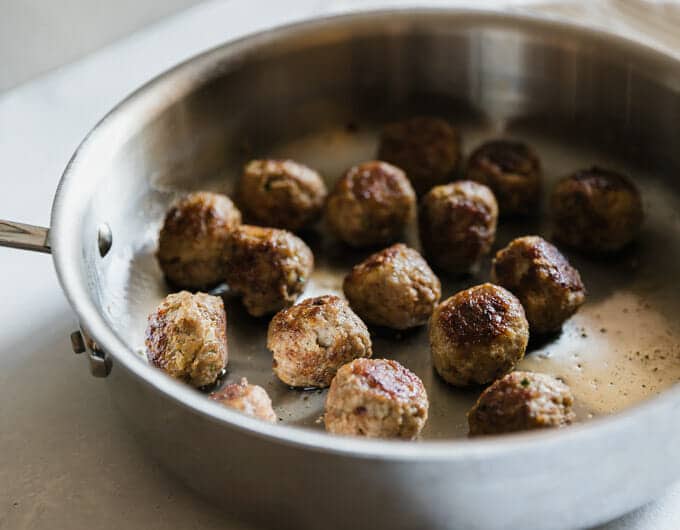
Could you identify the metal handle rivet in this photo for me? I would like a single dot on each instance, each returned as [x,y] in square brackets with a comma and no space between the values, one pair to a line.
[77,342]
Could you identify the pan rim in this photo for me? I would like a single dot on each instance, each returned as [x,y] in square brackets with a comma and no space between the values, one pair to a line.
[68,210]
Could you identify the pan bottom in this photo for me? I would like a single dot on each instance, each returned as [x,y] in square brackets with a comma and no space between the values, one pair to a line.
[621,348]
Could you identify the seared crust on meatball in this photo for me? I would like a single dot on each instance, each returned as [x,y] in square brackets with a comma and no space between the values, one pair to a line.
[513,172]
[267,266]
[371,204]
[427,148]
[478,335]
[377,398]
[522,401]
[457,224]
[596,210]
[394,287]
[314,338]
[186,337]
[549,288]
[249,399]
[191,239]
[281,193]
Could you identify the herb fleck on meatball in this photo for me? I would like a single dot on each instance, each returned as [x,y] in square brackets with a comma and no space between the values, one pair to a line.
[192,237]
[426,148]
[457,225]
[249,399]
[478,335]
[596,210]
[267,266]
[371,205]
[394,287]
[377,398]
[281,194]
[522,401]
[513,172]
[549,288]
[314,338]
[186,337]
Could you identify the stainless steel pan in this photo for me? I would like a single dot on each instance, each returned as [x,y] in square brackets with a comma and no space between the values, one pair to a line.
[318,92]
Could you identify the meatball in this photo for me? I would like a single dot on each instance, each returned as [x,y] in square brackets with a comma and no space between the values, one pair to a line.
[549,288]
[186,337]
[521,401]
[457,225]
[478,335]
[377,398]
[249,399]
[427,148]
[512,171]
[191,239]
[371,204]
[596,210]
[394,287]
[267,266]
[314,338]
[281,193]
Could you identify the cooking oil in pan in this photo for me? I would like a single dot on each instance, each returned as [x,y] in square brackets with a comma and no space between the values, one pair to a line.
[620,348]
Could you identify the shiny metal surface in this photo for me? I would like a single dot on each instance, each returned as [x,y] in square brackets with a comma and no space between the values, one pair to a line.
[77,342]
[577,96]
[104,239]
[24,237]
[98,359]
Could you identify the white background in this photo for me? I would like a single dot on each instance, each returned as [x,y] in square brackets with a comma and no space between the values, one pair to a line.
[36,35]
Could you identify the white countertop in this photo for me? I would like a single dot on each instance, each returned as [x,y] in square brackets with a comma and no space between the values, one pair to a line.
[66,459]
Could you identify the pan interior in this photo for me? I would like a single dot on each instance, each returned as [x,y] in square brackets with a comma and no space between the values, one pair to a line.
[321,99]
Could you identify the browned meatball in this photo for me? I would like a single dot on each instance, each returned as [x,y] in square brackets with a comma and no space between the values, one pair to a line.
[394,287]
[191,239]
[457,225]
[512,171]
[314,338]
[187,337]
[427,148]
[549,288]
[249,399]
[376,398]
[596,210]
[267,266]
[521,401]
[371,204]
[281,193]
[478,335]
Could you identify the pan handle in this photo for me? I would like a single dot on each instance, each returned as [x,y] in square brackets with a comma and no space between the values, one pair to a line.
[25,237]
[37,239]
